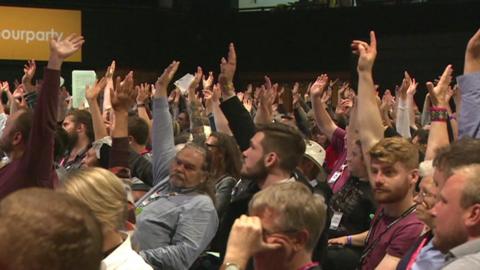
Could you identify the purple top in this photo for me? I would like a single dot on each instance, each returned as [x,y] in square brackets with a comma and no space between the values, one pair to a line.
[35,168]
[469,121]
[340,174]
[395,242]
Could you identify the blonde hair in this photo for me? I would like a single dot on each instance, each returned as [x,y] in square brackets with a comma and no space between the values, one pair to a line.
[296,206]
[471,190]
[395,149]
[104,194]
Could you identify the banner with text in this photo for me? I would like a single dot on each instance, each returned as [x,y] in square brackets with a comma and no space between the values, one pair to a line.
[25,32]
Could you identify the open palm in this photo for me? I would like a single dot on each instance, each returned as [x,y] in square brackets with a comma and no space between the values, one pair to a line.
[65,48]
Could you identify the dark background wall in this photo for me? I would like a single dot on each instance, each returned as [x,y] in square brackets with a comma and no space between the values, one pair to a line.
[291,45]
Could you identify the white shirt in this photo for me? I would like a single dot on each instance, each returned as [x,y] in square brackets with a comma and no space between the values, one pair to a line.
[124,258]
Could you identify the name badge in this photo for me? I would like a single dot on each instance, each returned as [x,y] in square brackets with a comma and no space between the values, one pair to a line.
[334,177]
[335,222]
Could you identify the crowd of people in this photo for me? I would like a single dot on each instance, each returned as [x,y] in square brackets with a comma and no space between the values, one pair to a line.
[276,176]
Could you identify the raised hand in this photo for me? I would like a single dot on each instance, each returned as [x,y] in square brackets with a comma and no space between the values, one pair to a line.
[110,70]
[317,88]
[143,93]
[326,96]
[194,85]
[162,82]
[207,83]
[4,87]
[92,91]
[438,93]
[124,94]
[29,70]
[248,104]
[412,89]
[18,96]
[67,47]
[402,89]
[227,71]
[366,52]
[388,99]
[240,96]
[472,54]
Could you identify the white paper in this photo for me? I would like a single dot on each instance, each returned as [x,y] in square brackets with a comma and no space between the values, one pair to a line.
[80,79]
[184,82]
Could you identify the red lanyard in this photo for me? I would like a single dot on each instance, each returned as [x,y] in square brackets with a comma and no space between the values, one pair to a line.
[415,254]
[308,266]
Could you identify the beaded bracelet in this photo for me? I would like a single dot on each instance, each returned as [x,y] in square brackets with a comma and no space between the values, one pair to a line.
[438,114]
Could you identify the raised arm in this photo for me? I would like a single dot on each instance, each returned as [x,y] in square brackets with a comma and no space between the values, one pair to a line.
[402,121]
[196,123]
[91,93]
[39,153]
[469,82]
[221,122]
[239,120]
[28,72]
[386,107]
[144,93]
[122,98]
[438,135]
[266,97]
[371,123]
[162,132]
[322,118]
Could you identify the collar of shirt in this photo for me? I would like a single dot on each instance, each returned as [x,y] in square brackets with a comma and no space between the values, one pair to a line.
[287,180]
[464,249]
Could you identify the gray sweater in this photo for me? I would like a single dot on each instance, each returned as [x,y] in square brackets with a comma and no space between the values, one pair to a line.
[174,225]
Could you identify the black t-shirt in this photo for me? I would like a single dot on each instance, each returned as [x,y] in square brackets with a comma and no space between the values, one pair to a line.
[355,202]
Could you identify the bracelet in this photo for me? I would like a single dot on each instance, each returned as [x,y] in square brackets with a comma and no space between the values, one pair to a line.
[438,109]
[349,240]
[438,114]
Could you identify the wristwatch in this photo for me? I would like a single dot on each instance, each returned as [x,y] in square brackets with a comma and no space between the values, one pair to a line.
[231,266]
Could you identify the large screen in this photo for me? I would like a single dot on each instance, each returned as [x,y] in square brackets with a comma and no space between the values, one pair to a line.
[25,32]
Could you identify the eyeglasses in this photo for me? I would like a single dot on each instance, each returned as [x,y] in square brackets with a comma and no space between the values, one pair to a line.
[267,233]
[423,195]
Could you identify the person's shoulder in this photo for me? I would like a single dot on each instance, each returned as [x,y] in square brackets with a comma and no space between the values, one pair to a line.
[471,261]
[226,180]
[201,201]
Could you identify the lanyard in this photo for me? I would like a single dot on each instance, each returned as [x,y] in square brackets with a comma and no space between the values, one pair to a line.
[415,254]
[308,266]
[375,223]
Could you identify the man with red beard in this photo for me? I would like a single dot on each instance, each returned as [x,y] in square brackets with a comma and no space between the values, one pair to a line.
[394,163]
[393,172]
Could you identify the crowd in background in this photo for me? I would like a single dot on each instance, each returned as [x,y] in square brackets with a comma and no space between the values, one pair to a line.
[275,176]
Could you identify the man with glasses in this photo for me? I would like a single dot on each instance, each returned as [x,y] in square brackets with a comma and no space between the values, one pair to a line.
[423,254]
[284,225]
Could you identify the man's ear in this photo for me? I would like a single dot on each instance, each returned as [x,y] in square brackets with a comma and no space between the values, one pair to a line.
[473,216]
[270,159]
[300,239]
[17,138]
[413,176]
[79,127]
[130,139]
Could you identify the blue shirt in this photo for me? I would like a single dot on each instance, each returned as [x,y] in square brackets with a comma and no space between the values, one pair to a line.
[469,120]
[174,225]
[429,258]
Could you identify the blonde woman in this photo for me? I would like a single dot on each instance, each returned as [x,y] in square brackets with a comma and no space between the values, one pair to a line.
[105,195]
